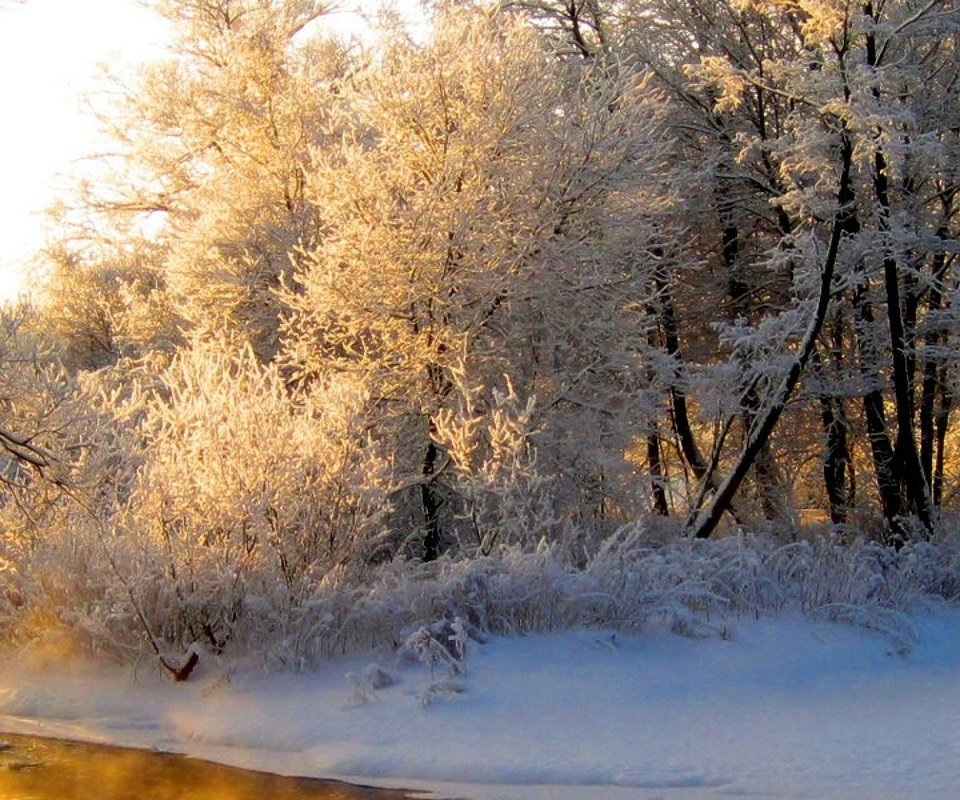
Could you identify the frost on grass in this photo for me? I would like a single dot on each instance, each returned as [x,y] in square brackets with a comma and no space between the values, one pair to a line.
[368,682]
[429,613]
[442,647]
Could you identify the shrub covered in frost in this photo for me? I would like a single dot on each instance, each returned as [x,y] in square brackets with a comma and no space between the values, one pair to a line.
[692,587]
[247,521]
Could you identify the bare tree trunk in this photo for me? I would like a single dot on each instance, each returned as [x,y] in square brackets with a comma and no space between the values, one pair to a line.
[933,373]
[655,465]
[430,504]
[888,487]
[766,478]
[907,461]
[943,421]
[680,415]
[836,456]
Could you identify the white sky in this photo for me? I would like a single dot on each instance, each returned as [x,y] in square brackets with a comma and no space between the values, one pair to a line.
[49,52]
[49,56]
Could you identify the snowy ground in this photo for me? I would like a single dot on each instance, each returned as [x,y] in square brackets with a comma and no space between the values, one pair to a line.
[783,708]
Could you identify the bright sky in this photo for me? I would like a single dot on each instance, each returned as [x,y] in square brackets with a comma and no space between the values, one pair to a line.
[49,56]
[50,52]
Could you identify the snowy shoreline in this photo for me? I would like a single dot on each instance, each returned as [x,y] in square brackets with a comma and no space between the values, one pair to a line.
[784,707]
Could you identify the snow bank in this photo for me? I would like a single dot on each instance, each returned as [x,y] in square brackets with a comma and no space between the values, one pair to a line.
[783,707]
[627,582]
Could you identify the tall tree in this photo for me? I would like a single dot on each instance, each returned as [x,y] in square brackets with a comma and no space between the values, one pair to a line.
[212,147]
[487,215]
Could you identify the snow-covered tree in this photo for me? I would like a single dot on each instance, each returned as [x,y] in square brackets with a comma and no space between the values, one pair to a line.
[764,94]
[488,217]
[212,146]
[861,75]
[246,494]
[33,392]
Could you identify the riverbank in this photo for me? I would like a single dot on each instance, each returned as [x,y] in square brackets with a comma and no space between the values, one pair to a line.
[778,707]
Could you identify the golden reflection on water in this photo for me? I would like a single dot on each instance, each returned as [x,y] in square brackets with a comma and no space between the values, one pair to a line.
[51,769]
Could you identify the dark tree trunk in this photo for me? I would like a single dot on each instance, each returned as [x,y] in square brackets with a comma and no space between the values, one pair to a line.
[768,419]
[767,481]
[678,397]
[908,469]
[930,383]
[928,397]
[907,461]
[655,465]
[680,415]
[888,487]
[654,454]
[836,455]
[431,504]
[943,421]
[934,374]
[874,411]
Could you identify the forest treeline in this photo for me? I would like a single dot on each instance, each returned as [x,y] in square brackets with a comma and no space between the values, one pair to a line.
[540,272]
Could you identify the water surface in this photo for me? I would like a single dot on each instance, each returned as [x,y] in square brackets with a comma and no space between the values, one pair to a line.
[33,768]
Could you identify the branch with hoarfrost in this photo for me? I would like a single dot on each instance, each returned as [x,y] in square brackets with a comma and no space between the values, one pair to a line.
[180,672]
[765,423]
[420,480]
[23,449]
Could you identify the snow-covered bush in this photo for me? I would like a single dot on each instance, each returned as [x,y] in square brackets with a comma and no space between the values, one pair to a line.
[214,592]
[247,495]
[207,497]
[695,588]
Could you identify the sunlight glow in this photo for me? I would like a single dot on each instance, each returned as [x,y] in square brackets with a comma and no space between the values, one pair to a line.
[51,52]
[49,56]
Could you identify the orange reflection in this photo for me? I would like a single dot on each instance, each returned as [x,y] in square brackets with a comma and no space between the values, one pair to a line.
[50,769]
